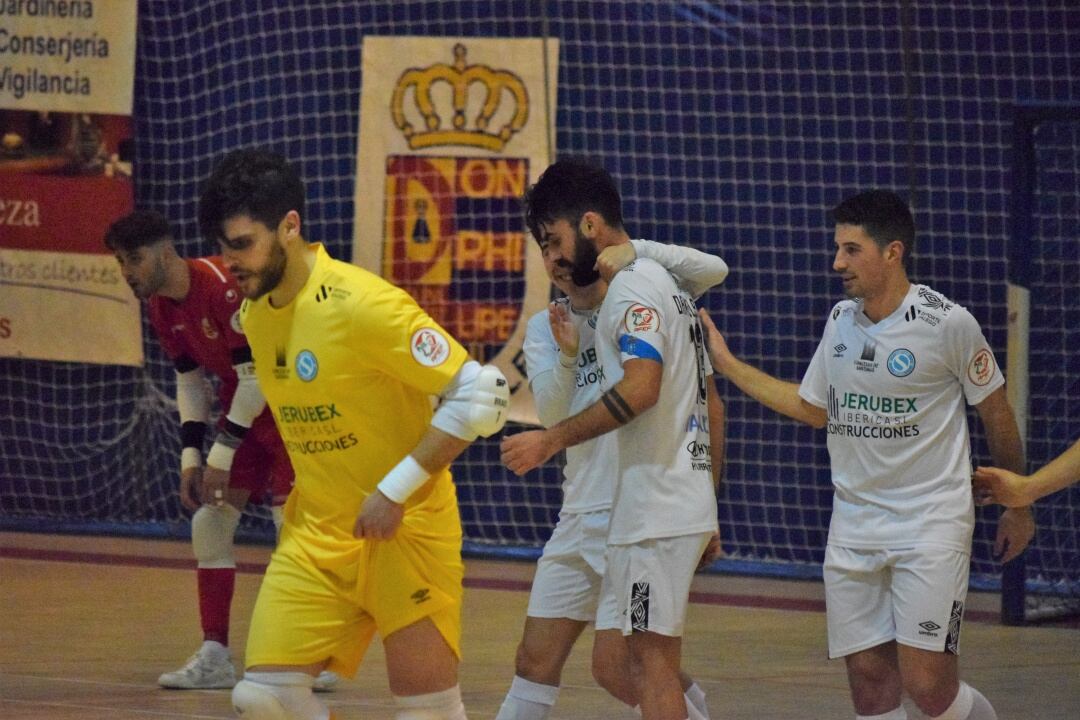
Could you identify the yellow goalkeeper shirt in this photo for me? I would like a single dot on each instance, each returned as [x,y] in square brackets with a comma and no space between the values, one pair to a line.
[348,369]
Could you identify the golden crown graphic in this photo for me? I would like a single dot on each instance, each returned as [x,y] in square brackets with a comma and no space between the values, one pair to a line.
[460,77]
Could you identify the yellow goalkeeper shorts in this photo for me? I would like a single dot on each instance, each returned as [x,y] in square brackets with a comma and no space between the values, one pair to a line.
[309,610]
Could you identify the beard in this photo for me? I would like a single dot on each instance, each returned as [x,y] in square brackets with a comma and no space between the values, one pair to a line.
[584,273]
[269,276]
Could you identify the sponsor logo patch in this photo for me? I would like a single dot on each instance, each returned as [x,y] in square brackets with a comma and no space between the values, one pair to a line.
[429,347]
[307,365]
[234,322]
[641,318]
[981,368]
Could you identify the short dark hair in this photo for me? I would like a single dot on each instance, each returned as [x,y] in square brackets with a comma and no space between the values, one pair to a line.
[254,182]
[136,230]
[567,190]
[883,214]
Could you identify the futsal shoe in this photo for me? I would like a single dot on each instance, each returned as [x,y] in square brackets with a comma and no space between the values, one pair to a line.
[326,681]
[208,669]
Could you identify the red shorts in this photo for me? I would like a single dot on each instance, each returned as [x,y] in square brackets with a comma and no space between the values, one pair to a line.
[261,466]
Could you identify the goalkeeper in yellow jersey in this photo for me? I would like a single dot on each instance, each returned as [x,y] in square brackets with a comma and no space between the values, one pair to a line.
[371,538]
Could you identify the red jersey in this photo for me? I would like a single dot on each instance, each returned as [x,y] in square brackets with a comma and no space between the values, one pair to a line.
[205,326]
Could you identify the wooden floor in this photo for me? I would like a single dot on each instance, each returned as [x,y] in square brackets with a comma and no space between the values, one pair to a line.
[87,624]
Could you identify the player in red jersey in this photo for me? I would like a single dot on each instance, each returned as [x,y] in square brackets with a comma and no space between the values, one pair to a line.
[193,306]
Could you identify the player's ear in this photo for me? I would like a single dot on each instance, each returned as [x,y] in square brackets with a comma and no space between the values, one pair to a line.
[290,225]
[588,224]
[895,251]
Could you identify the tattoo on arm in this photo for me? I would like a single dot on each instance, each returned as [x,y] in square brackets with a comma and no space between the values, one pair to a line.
[617,406]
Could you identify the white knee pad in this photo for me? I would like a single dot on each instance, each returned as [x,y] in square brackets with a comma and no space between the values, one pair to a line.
[212,530]
[445,705]
[277,696]
[255,701]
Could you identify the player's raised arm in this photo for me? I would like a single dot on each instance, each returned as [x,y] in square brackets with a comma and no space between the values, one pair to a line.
[551,357]
[773,393]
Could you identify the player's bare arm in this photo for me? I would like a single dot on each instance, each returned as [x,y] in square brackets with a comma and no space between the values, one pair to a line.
[773,393]
[997,485]
[634,394]
[1016,527]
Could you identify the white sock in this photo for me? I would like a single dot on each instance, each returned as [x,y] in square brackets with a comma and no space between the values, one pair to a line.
[969,705]
[442,705]
[695,700]
[896,714]
[527,700]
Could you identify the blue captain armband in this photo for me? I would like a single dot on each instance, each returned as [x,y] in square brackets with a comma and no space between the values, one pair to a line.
[632,345]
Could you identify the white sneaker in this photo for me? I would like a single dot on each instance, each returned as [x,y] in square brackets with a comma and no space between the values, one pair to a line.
[209,668]
[326,681]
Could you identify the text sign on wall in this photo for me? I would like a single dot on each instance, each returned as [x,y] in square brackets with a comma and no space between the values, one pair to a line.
[452,132]
[67,55]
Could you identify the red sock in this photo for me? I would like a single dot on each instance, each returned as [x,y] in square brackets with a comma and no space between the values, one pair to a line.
[215,598]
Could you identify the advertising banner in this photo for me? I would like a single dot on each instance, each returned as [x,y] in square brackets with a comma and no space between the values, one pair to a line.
[452,132]
[66,77]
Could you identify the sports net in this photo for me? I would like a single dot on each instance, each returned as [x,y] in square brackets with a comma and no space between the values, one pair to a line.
[731,127]
[1053,561]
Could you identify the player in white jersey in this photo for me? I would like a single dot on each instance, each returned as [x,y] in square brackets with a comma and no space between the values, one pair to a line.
[889,381]
[564,376]
[664,508]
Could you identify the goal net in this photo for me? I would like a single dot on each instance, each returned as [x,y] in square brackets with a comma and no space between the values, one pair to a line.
[731,127]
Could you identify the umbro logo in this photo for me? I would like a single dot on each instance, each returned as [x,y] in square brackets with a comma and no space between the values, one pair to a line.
[421,596]
[929,628]
[838,350]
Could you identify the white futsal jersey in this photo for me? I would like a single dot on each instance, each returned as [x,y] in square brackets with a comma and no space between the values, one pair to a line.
[664,486]
[589,473]
[897,429]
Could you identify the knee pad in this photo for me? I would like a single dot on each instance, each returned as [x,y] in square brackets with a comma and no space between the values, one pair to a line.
[212,530]
[444,705]
[255,701]
[277,696]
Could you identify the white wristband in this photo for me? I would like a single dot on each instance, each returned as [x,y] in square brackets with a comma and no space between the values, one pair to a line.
[190,457]
[220,456]
[403,480]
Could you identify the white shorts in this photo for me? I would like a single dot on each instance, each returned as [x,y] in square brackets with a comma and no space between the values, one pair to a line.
[651,582]
[568,580]
[914,596]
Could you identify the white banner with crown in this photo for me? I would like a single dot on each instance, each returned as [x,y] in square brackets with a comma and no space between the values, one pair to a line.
[452,132]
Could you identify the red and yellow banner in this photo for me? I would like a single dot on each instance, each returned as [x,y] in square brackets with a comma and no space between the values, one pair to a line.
[452,132]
